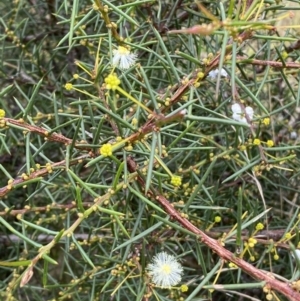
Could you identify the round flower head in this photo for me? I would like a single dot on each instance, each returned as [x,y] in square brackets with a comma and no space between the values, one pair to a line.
[2,113]
[239,115]
[297,254]
[112,82]
[165,270]
[214,73]
[294,135]
[176,181]
[123,57]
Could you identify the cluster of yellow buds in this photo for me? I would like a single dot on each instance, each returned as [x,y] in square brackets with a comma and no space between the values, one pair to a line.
[49,167]
[176,181]
[106,150]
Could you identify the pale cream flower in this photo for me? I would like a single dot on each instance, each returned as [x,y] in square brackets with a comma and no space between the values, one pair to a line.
[214,73]
[123,58]
[294,135]
[297,253]
[239,115]
[165,270]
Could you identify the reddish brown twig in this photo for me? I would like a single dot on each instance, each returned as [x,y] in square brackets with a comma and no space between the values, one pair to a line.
[49,136]
[274,64]
[28,209]
[40,173]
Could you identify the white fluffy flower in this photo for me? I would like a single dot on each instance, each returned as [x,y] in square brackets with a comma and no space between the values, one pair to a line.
[123,57]
[214,73]
[297,253]
[165,270]
[294,135]
[239,114]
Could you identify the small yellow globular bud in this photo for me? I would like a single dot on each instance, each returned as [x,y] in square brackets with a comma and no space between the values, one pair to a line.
[184,288]
[2,123]
[24,176]
[242,147]
[266,121]
[259,226]
[200,75]
[106,150]
[75,76]
[176,181]
[288,235]
[284,55]
[232,265]
[269,297]
[266,289]
[68,86]
[276,257]
[114,25]
[218,219]
[270,143]
[210,55]
[256,168]
[134,121]
[2,113]
[95,6]
[256,141]
[184,81]
[252,242]
[105,7]
[83,42]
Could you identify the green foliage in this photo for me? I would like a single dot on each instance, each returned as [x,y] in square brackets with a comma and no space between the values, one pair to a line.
[105,165]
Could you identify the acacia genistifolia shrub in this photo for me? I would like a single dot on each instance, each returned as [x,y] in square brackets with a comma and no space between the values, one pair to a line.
[149,150]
